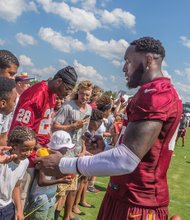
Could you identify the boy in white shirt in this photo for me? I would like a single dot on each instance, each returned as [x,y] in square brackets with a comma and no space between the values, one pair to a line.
[22,140]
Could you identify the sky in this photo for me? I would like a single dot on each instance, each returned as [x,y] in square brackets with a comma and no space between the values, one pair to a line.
[92,36]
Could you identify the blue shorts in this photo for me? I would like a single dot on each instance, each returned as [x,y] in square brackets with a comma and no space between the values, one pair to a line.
[7,212]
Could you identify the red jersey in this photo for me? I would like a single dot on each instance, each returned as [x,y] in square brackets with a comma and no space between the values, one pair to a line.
[147,185]
[93,105]
[35,109]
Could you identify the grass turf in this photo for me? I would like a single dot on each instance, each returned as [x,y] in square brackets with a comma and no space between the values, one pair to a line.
[178,180]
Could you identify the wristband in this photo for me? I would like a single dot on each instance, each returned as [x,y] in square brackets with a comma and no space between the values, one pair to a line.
[77,169]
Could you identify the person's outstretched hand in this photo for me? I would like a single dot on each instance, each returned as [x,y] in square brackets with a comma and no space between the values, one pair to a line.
[5,158]
[49,164]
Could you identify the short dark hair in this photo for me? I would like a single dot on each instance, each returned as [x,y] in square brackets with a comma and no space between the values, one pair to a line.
[96,115]
[7,58]
[6,87]
[104,103]
[149,44]
[20,134]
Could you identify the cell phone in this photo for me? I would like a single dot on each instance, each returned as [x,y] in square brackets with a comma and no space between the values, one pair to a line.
[86,117]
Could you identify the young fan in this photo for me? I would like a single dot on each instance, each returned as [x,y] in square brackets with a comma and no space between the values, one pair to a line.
[22,140]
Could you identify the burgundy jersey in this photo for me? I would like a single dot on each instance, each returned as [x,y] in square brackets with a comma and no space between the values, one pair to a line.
[147,185]
[35,109]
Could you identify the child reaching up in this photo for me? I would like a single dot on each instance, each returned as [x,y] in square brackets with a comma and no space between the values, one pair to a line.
[93,141]
[22,140]
[43,191]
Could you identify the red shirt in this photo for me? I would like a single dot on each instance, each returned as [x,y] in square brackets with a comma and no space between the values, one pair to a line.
[147,185]
[93,105]
[34,110]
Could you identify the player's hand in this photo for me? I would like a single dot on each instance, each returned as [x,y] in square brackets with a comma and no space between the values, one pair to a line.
[49,164]
[4,158]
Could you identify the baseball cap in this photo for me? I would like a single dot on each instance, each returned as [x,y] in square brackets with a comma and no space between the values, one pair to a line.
[68,75]
[22,77]
[60,139]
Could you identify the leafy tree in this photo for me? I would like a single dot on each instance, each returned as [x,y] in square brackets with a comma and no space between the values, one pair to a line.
[111,94]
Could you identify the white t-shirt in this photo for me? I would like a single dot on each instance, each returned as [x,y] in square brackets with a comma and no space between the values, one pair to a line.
[9,175]
[102,128]
[68,114]
[4,123]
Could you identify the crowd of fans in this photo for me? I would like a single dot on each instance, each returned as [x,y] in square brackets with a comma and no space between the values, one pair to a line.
[72,118]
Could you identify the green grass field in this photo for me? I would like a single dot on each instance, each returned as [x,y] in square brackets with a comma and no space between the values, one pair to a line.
[178,180]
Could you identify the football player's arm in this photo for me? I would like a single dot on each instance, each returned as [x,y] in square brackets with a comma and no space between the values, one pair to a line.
[140,136]
[138,139]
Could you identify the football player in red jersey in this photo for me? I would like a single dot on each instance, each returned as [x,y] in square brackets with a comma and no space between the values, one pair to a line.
[138,166]
[36,106]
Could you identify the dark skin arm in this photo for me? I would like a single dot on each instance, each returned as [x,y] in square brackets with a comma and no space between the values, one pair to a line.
[140,136]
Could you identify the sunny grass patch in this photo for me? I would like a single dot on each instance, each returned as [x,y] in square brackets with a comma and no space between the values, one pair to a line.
[179,180]
[95,199]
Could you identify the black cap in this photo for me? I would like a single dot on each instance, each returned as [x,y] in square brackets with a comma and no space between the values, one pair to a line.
[68,75]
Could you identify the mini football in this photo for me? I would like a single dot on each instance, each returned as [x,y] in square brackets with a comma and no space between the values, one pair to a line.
[42,152]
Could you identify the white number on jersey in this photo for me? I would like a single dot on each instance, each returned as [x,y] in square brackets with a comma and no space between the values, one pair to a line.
[23,116]
[45,123]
